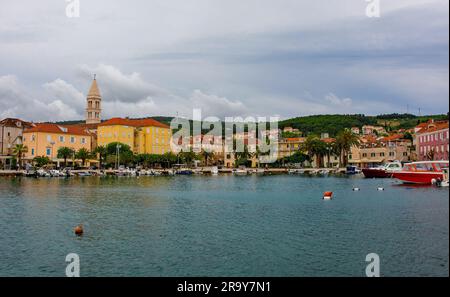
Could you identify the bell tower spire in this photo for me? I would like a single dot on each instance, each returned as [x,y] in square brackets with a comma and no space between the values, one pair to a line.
[93,108]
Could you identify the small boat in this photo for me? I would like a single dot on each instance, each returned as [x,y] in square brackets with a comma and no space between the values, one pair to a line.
[444,181]
[214,170]
[425,172]
[384,171]
[183,171]
[260,171]
[240,171]
[352,170]
[84,173]
[43,173]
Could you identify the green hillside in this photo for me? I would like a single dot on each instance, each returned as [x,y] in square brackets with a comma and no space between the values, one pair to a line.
[332,124]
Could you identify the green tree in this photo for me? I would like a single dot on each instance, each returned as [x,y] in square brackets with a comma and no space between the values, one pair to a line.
[126,155]
[207,156]
[40,161]
[101,151]
[83,154]
[345,140]
[18,152]
[65,153]
[315,147]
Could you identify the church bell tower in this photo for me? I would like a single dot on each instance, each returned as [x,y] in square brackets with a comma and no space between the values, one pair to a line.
[93,109]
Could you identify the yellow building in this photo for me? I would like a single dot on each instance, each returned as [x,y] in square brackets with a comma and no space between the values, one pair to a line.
[45,140]
[146,136]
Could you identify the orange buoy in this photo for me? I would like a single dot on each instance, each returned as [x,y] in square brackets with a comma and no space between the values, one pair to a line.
[328,195]
[78,230]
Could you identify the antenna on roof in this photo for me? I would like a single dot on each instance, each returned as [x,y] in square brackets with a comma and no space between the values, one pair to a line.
[95,75]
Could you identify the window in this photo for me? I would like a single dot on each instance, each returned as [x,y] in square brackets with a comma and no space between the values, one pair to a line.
[83,140]
[372,155]
[49,138]
[350,157]
[33,137]
[32,151]
[72,139]
[48,151]
[391,154]
[364,154]
[405,154]
[381,154]
[61,138]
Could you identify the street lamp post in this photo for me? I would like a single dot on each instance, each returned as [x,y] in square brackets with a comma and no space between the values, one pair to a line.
[118,147]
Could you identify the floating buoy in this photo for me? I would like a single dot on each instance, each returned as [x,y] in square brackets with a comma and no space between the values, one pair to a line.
[380,189]
[78,230]
[356,189]
[328,195]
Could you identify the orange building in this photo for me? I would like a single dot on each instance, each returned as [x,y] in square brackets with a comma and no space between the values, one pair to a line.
[45,140]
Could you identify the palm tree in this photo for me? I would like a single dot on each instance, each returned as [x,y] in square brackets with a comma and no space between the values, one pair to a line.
[206,155]
[102,152]
[18,151]
[345,140]
[330,151]
[315,147]
[83,154]
[65,153]
[41,161]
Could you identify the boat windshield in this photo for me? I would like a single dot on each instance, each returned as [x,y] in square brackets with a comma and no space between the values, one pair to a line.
[393,165]
[440,166]
[424,167]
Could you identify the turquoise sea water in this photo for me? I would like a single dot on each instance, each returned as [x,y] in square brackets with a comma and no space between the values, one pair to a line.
[222,226]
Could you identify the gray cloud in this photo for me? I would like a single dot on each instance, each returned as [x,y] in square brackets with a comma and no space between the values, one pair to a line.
[256,57]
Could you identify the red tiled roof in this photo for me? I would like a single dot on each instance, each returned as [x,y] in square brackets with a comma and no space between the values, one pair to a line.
[295,139]
[393,137]
[432,127]
[11,122]
[134,123]
[58,129]
[87,126]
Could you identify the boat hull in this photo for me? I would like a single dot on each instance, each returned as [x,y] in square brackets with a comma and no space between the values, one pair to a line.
[376,173]
[425,178]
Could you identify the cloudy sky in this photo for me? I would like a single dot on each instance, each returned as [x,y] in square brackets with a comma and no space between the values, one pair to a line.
[227,57]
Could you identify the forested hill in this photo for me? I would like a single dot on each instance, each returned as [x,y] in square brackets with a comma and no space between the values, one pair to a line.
[332,124]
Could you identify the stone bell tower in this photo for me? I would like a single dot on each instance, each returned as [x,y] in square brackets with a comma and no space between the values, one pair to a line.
[93,108]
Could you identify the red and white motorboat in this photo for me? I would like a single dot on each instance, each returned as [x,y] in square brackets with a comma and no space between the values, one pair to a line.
[426,172]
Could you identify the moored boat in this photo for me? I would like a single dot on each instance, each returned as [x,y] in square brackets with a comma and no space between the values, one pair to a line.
[384,171]
[425,172]
[352,170]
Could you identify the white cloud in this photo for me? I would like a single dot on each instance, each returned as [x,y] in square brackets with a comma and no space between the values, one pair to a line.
[117,86]
[213,105]
[335,100]
[16,101]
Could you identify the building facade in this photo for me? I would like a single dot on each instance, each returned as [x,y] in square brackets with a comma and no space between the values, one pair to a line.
[371,154]
[44,140]
[289,146]
[432,141]
[145,136]
[11,134]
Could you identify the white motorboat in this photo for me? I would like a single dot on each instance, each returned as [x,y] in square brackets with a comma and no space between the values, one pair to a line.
[214,170]
[240,171]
